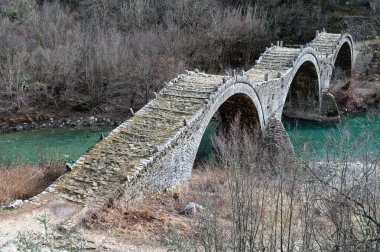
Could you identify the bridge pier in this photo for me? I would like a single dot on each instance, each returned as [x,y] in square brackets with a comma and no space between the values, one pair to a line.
[278,145]
[329,108]
[326,112]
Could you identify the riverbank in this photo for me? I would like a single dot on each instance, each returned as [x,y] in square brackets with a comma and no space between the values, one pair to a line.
[361,92]
[38,119]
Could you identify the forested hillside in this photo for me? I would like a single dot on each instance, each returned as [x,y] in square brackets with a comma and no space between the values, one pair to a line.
[99,56]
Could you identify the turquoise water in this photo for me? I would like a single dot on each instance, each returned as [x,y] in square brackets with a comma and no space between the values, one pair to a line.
[66,143]
[358,132]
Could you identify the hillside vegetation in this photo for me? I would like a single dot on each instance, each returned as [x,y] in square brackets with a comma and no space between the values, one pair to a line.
[98,56]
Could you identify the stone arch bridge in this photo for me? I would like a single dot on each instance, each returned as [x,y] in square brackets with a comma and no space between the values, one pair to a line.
[156,148]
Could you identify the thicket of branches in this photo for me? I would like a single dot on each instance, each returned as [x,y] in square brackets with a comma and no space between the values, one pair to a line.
[111,55]
[116,51]
[309,206]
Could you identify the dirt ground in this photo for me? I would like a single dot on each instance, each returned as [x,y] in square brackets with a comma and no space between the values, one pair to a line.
[142,227]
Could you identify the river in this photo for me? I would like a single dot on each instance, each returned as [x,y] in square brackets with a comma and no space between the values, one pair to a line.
[68,144]
[357,134]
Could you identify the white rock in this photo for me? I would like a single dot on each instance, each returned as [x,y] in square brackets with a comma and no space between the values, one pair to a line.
[192,208]
[14,204]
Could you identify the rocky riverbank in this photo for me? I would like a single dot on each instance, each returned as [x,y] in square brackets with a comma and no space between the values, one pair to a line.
[27,121]
[357,96]
[361,93]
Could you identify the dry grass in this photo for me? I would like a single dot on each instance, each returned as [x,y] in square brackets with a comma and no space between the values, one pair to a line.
[287,213]
[24,180]
[162,214]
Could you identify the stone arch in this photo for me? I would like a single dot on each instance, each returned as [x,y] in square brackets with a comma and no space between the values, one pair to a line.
[242,104]
[239,104]
[303,97]
[342,59]
[179,161]
[239,97]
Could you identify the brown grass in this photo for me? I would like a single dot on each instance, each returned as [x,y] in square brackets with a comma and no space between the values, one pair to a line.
[286,214]
[162,214]
[25,180]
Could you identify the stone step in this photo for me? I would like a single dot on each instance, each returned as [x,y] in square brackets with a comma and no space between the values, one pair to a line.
[182,108]
[274,67]
[71,199]
[168,109]
[156,112]
[182,102]
[159,118]
[321,47]
[323,42]
[179,92]
[184,96]
[329,36]
[194,90]
[273,62]
[204,85]
[327,39]
[283,54]
[200,79]
[275,57]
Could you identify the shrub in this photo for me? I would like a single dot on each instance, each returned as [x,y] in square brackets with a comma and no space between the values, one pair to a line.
[23,181]
[117,53]
[329,206]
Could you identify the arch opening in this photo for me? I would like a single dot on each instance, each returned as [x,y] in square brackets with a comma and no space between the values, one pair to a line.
[302,101]
[237,106]
[343,63]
